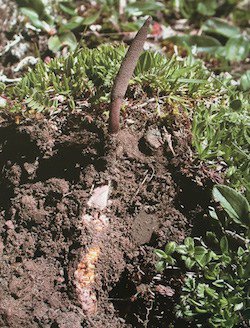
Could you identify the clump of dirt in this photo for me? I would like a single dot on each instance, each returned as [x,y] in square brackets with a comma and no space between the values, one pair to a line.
[81,213]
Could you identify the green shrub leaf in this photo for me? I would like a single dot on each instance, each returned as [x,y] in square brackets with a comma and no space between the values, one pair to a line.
[203,43]
[91,19]
[245,81]
[160,253]
[224,245]
[237,48]
[33,17]
[189,263]
[189,243]
[233,203]
[37,5]
[170,248]
[220,26]
[160,266]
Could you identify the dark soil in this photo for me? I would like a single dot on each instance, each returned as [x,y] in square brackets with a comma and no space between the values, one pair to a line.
[81,213]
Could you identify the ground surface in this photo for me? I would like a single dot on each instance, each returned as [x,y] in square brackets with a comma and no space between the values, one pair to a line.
[81,214]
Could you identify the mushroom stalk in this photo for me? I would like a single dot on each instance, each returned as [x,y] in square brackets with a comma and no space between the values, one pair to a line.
[124,75]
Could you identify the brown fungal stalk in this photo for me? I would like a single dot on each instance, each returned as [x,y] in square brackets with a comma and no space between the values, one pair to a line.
[124,75]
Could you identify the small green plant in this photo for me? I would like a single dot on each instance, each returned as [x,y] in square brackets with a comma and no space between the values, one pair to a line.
[197,10]
[59,19]
[221,130]
[90,73]
[220,39]
[216,288]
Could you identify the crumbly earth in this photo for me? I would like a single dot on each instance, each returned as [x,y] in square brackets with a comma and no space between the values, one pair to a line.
[71,257]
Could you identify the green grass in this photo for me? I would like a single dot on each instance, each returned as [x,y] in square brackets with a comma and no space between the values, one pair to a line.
[222,132]
[89,74]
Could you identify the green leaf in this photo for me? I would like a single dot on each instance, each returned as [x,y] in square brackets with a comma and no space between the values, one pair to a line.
[200,290]
[199,255]
[223,302]
[189,284]
[139,8]
[212,272]
[36,5]
[73,23]
[211,292]
[68,10]
[189,243]
[170,248]
[199,251]
[67,39]
[211,237]
[240,251]
[189,263]
[233,203]
[54,43]
[91,19]
[224,245]
[240,271]
[220,26]
[207,8]
[245,81]
[237,48]
[33,16]
[181,249]
[194,302]
[225,259]
[238,306]
[201,310]
[203,43]
[160,266]
[160,253]
[219,283]
[213,214]
[189,313]
[170,260]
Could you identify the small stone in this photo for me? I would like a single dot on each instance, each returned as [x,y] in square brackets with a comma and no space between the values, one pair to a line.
[30,168]
[153,138]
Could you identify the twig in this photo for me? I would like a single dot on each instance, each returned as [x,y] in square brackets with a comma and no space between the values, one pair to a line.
[29,60]
[146,322]
[124,75]
[12,43]
[146,175]
[241,240]
[151,100]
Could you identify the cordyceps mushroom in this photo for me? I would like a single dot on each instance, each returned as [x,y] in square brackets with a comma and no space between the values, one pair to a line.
[124,75]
